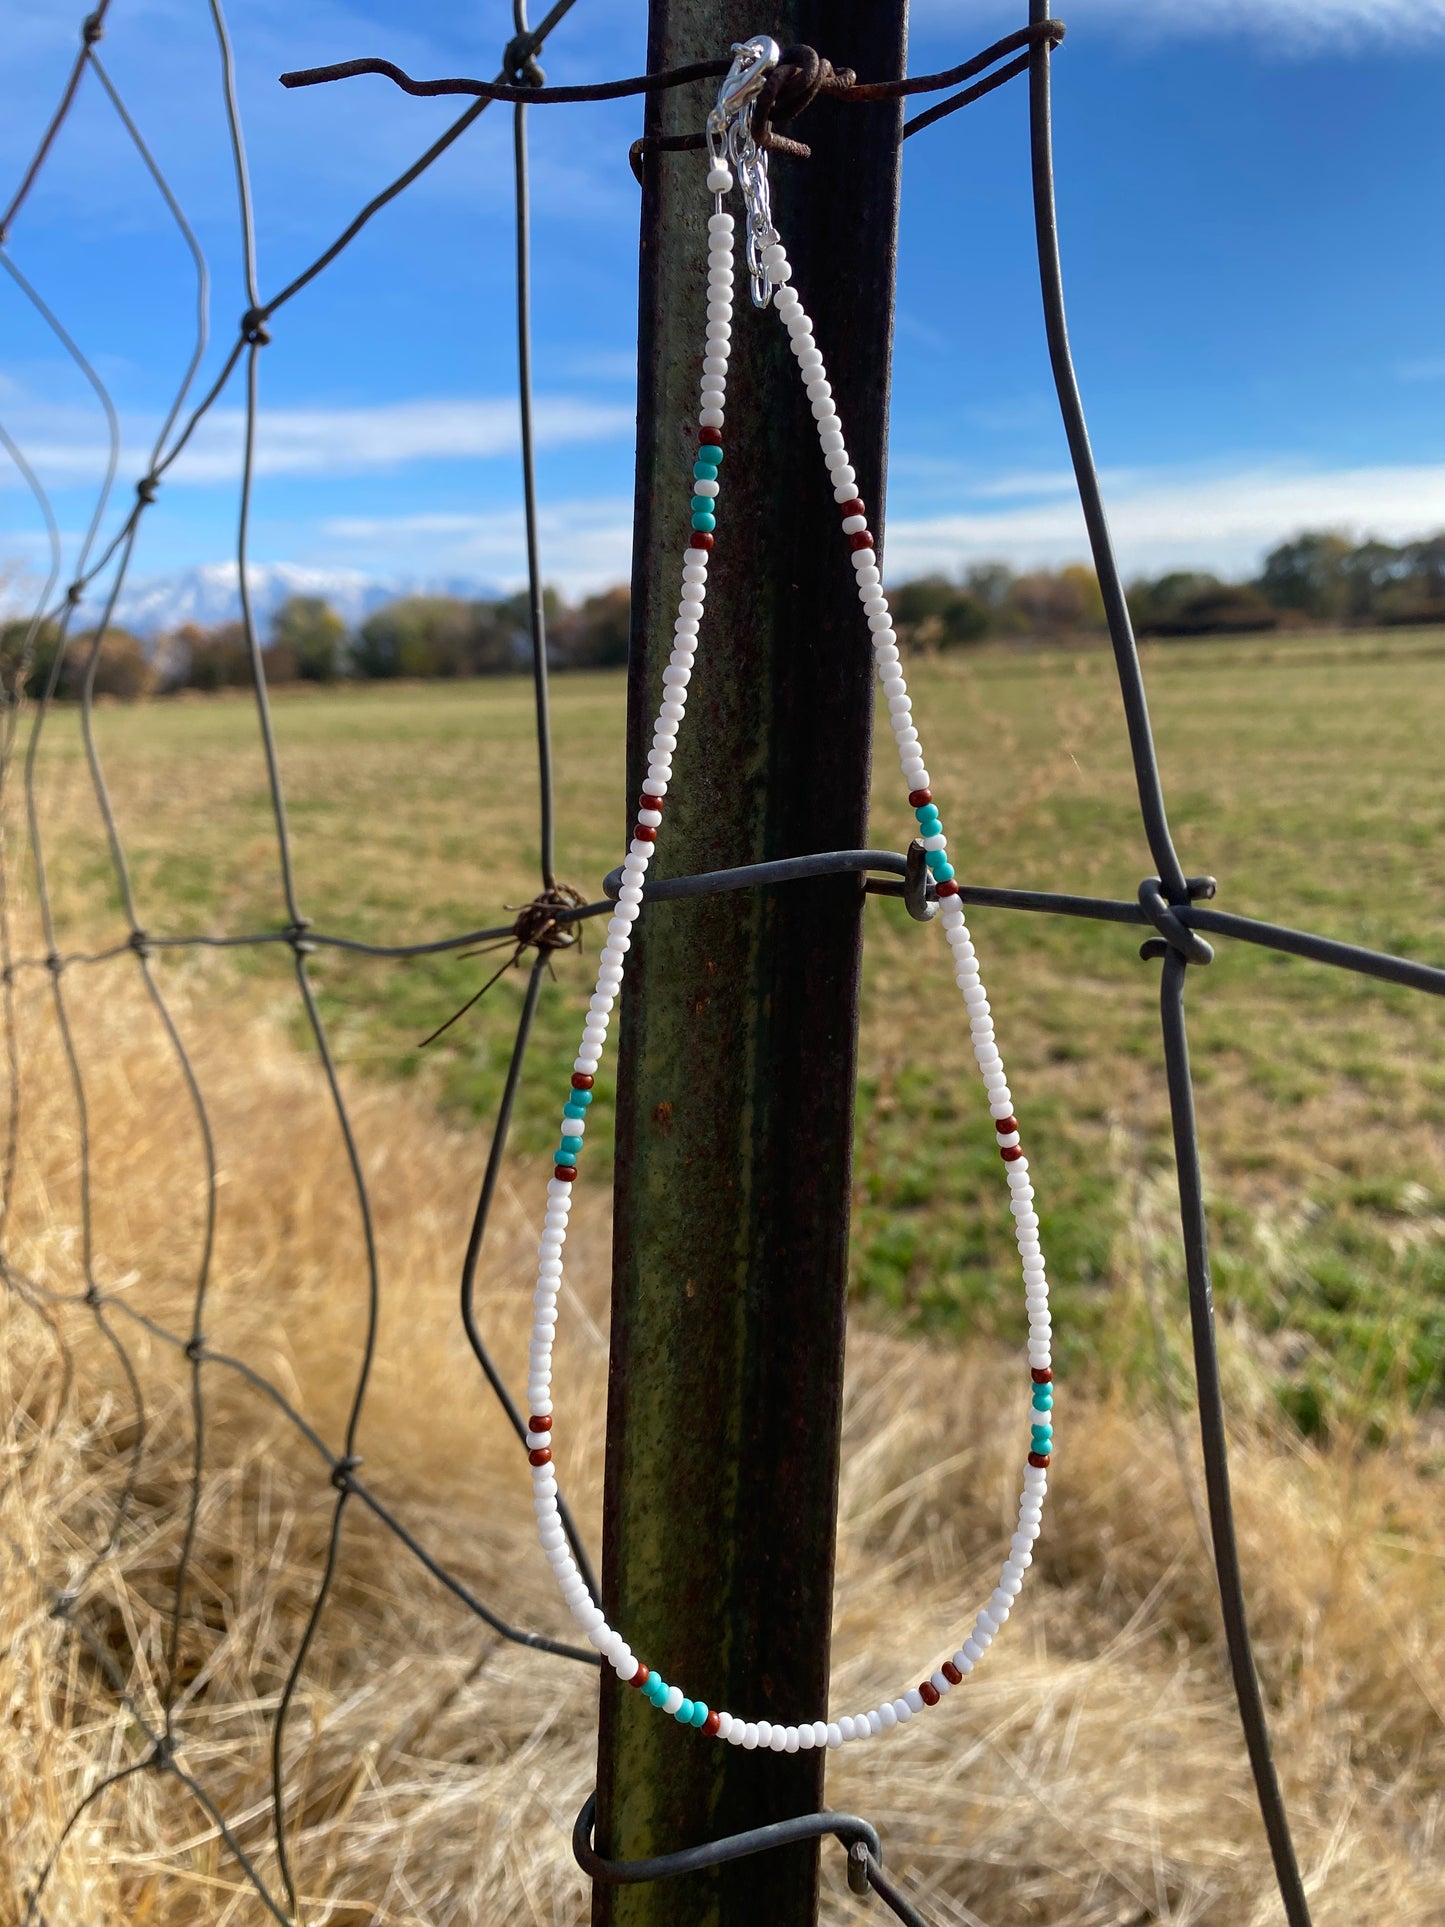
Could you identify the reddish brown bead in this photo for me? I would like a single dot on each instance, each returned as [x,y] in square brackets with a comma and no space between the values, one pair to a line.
[641,1676]
[644,832]
[928,1692]
[535,1424]
[711,1724]
[566,1172]
[581,1080]
[948,888]
[919,797]
[540,1455]
[1005,1126]
[709,438]
[700,539]
[1011,1153]
[1044,1377]
[1040,1459]
[849,509]
[862,540]
[645,802]
[951,1673]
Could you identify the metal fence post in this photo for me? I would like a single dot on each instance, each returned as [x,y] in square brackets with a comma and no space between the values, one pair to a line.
[738,1025]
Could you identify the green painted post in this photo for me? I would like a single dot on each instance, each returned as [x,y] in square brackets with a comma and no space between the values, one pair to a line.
[739,1019]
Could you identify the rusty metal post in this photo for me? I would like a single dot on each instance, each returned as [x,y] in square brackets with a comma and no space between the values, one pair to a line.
[739,1020]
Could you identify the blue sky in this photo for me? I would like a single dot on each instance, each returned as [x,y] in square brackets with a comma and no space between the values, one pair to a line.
[1249,200]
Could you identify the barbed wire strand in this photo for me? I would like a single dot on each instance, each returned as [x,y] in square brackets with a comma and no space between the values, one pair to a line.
[1168,903]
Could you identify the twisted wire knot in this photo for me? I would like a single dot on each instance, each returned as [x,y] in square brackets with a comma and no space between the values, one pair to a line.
[538,925]
[797,80]
[342,1470]
[92,28]
[1174,933]
[253,327]
[146,487]
[520,63]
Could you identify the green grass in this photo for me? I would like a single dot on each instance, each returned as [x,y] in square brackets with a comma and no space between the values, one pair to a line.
[1304,775]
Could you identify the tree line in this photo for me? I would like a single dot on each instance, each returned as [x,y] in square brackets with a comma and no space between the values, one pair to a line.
[1317,579]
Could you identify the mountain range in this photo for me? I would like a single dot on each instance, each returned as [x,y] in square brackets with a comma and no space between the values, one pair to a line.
[150,605]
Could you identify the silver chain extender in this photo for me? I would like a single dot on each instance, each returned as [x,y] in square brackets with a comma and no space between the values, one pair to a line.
[730,143]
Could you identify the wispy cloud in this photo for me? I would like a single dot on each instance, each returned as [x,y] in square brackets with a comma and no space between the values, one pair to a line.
[1160,519]
[1165,518]
[1300,26]
[585,545]
[61,444]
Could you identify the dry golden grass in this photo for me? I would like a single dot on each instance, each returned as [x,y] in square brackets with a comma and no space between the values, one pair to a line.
[1092,1774]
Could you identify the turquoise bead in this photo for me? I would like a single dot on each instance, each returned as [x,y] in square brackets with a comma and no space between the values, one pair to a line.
[943,872]
[584,1098]
[707,523]
[705,471]
[1042,1434]
[710,452]
[683,1715]
[574,1110]
[699,1712]
[656,1688]
[1043,1398]
[567,1154]
[928,813]
[702,504]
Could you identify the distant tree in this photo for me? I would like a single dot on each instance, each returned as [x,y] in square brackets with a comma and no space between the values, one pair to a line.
[1223,609]
[991,585]
[31,648]
[1160,601]
[594,636]
[209,658]
[1370,571]
[1310,574]
[315,635]
[120,667]
[1415,591]
[933,613]
[1057,602]
[435,636]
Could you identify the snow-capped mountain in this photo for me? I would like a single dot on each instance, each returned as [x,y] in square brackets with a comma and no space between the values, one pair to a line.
[209,594]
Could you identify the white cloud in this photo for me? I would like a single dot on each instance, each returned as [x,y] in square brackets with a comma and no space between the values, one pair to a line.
[585,545]
[1160,519]
[1167,518]
[62,446]
[1300,26]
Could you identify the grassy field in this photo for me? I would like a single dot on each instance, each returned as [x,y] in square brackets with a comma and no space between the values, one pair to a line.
[1302,774]
[1092,1776]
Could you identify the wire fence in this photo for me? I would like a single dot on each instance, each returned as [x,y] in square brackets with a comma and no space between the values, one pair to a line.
[1173,907]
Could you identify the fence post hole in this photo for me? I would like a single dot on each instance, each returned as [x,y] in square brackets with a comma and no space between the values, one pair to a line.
[739,1018]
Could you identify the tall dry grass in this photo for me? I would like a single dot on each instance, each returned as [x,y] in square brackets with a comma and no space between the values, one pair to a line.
[1092,1774]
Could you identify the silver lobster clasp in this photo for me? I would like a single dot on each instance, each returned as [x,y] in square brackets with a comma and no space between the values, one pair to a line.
[753,61]
[730,143]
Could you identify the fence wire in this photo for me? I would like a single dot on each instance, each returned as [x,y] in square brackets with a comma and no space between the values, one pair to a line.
[1171,905]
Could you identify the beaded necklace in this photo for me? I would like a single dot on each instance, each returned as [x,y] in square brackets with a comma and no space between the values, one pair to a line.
[733,152]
